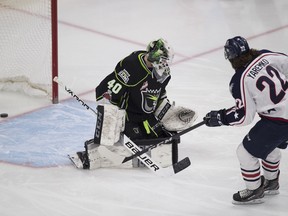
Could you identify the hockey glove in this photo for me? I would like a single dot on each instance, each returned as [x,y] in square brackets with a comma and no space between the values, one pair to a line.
[175,118]
[215,118]
[152,127]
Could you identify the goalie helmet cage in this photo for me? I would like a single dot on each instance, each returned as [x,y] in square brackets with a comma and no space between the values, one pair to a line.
[29,47]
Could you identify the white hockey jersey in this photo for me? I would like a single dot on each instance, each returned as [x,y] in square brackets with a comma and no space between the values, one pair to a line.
[260,88]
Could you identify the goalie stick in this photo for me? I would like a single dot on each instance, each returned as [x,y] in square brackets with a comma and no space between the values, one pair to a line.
[133,148]
[165,141]
[145,159]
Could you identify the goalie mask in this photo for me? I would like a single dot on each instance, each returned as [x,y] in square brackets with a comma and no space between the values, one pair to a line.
[160,54]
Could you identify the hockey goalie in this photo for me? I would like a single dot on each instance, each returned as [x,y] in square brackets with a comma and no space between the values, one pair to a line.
[132,102]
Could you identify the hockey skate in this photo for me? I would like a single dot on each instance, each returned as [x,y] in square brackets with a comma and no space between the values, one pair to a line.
[247,196]
[271,187]
[80,160]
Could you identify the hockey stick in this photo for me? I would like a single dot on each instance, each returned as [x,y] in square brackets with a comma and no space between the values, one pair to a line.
[133,148]
[145,159]
[69,91]
[139,152]
[165,141]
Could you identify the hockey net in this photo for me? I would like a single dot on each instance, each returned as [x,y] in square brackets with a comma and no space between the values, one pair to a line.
[28,47]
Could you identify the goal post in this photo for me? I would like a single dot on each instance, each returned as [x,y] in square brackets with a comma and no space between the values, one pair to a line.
[29,47]
[54,35]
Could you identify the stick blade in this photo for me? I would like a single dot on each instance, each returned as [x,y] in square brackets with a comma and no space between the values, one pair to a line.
[181,165]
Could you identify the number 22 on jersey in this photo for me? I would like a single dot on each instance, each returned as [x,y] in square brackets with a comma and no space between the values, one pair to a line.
[274,96]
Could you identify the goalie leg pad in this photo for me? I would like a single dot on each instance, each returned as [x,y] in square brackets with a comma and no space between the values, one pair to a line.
[162,154]
[106,156]
[109,156]
[175,118]
[110,123]
[165,154]
[93,155]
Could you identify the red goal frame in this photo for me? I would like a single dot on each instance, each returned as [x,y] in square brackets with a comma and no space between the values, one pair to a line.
[54,29]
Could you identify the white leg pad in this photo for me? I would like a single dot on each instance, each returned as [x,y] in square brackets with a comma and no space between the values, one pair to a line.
[113,123]
[162,155]
[112,156]
[94,156]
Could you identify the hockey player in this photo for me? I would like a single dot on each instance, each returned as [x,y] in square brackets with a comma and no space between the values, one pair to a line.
[259,85]
[132,100]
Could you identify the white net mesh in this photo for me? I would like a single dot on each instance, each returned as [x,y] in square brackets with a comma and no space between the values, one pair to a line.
[25,46]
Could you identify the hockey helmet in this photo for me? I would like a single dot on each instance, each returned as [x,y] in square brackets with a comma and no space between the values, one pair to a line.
[235,47]
[160,54]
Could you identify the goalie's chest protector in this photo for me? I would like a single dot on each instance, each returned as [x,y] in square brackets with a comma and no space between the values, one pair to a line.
[143,91]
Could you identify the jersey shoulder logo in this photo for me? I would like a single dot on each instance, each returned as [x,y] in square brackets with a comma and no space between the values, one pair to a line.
[124,75]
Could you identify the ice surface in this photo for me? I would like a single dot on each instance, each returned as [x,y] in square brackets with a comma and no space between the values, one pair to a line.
[36,177]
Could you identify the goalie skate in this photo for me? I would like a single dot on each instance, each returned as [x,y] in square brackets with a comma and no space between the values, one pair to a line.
[78,160]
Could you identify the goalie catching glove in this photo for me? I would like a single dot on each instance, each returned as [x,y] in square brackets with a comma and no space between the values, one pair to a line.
[175,118]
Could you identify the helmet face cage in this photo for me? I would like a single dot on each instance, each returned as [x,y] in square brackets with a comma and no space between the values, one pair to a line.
[161,70]
[235,47]
[160,54]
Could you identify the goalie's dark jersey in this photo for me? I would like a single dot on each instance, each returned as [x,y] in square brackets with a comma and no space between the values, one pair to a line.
[133,87]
